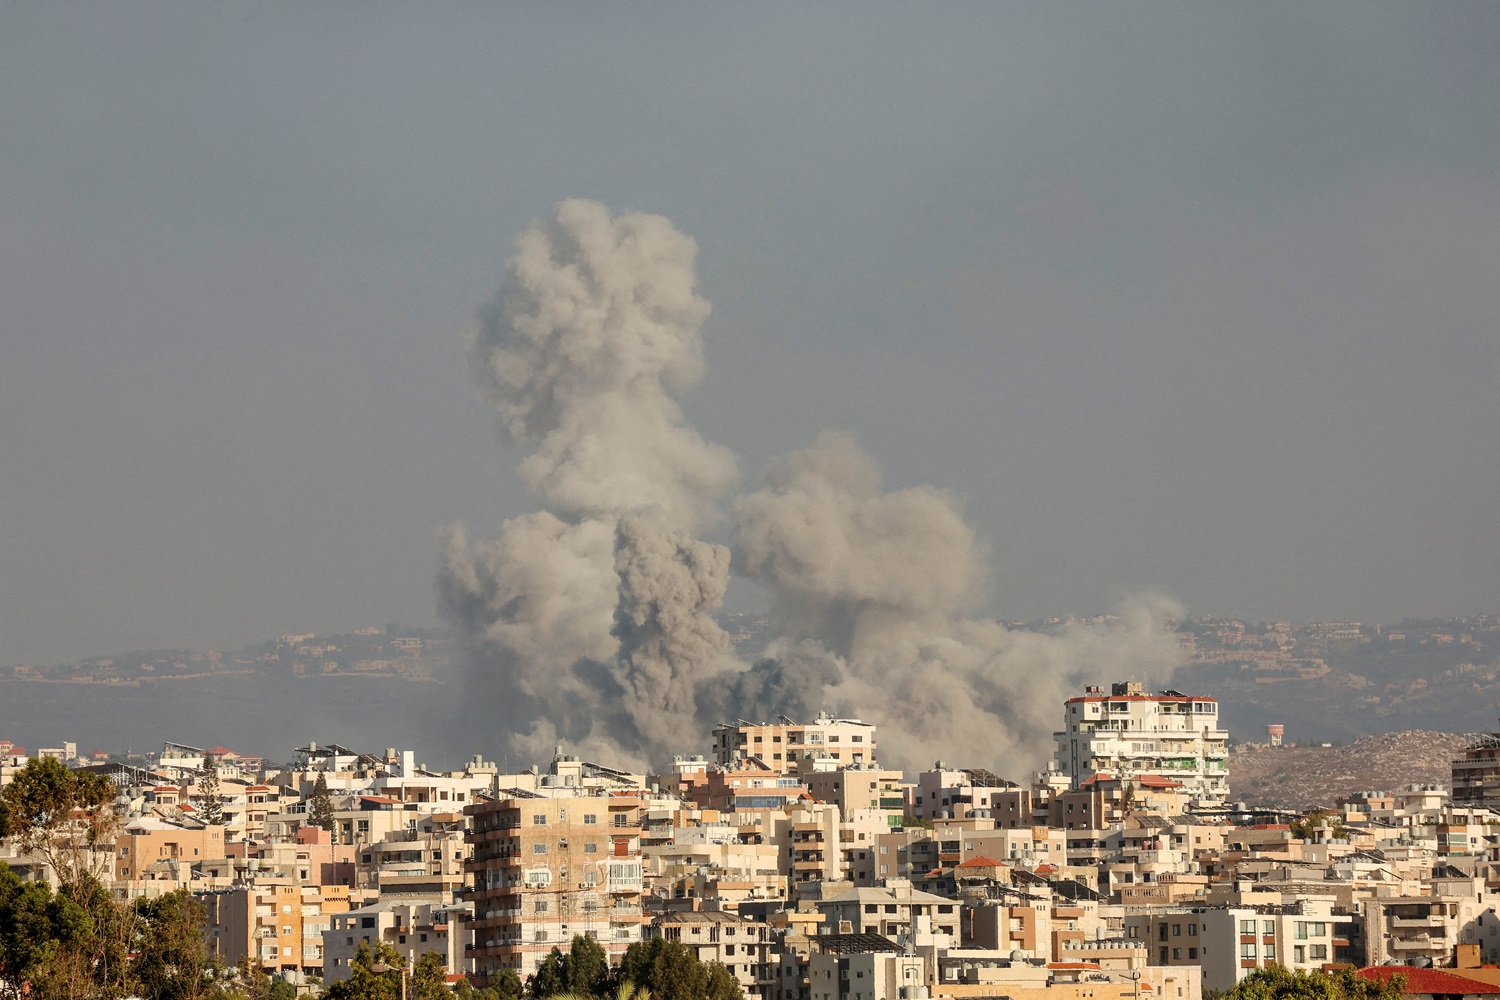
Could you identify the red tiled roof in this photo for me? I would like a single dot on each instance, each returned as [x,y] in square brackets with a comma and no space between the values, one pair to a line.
[1157,781]
[982,862]
[1424,981]
[1046,869]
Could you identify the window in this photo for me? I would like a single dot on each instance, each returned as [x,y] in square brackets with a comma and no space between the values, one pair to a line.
[1270,951]
[541,906]
[590,819]
[540,819]
[1247,949]
[1163,957]
[1247,926]
[621,819]
[1176,954]
[1317,952]
[1162,932]
[1192,953]
[1268,927]
[538,848]
[367,921]
[591,848]
[1299,953]
[1192,930]
[1177,930]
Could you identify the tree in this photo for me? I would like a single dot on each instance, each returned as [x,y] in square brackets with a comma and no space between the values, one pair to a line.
[320,807]
[1276,982]
[588,966]
[366,984]
[171,955]
[62,945]
[1306,827]
[429,978]
[670,971]
[65,818]
[504,985]
[582,972]
[208,793]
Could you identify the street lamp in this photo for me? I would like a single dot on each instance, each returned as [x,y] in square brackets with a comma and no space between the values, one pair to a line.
[381,968]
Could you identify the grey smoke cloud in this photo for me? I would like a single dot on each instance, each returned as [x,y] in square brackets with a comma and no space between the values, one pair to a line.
[592,621]
[885,580]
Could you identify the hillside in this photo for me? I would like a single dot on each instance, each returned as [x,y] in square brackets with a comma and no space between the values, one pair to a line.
[1305,777]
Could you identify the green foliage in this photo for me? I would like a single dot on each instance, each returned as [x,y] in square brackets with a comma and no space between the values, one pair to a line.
[172,957]
[64,817]
[1303,829]
[504,985]
[209,794]
[670,971]
[366,984]
[429,978]
[916,823]
[65,944]
[582,972]
[1276,982]
[320,807]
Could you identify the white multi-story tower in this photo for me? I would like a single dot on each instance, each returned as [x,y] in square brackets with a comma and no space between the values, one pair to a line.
[1128,733]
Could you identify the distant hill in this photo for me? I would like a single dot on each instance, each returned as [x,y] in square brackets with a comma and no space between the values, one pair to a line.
[1306,777]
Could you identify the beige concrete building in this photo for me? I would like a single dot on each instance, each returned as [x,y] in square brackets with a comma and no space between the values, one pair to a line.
[789,747]
[741,946]
[546,869]
[279,926]
[413,927]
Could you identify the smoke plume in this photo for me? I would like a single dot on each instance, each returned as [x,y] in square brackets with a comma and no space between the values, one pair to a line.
[591,621]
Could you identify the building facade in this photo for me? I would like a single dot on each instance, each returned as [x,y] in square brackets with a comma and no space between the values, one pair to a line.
[545,869]
[1128,734]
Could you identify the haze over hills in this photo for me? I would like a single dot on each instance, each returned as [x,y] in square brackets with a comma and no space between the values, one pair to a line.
[402,686]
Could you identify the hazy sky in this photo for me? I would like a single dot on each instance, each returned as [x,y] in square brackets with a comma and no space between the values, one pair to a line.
[1196,297]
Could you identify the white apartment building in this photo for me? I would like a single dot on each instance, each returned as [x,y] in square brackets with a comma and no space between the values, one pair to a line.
[1128,733]
[1230,942]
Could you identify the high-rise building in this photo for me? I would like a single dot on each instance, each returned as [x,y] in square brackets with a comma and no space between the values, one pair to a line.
[1128,733]
[546,869]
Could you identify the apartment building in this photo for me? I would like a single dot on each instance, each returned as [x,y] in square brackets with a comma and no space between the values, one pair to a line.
[413,927]
[1476,775]
[1129,734]
[547,868]
[741,946]
[1230,942]
[788,747]
[279,926]
[148,849]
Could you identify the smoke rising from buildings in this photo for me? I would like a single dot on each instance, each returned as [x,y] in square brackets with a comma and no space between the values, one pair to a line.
[591,621]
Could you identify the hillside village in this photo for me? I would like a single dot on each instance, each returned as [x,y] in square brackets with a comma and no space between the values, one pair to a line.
[787,853]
